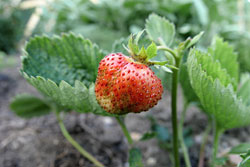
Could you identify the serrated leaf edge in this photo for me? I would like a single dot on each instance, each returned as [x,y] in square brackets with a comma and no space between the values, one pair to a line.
[238,101]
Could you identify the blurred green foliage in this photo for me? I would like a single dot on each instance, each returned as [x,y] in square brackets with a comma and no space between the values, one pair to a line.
[107,20]
[104,21]
[12,25]
[6,61]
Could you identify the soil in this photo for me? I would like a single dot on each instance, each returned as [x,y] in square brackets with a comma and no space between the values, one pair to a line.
[38,142]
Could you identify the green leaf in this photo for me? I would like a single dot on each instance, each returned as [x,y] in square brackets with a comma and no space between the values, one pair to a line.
[101,35]
[195,40]
[160,63]
[165,77]
[135,158]
[244,78]
[161,132]
[240,149]
[160,29]
[245,160]
[118,45]
[188,138]
[202,11]
[224,53]
[245,163]
[29,106]
[132,46]
[213,85]
[164,68]
[244,90]
[64,69]
[142,53]
[187,89]
[221,161]
[241,43]
[213,68]
[151,51]
[138,36]
[148,136]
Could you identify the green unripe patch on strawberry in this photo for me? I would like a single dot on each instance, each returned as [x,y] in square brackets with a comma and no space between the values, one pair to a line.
[124,86]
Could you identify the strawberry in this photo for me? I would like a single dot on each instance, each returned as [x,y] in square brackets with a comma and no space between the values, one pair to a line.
[124,86]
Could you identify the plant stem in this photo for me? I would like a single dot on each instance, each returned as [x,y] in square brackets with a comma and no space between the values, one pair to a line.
[217,134]
[203,144]
[165,48]
[174,112]
[120,120]
[182,142]
[75,144]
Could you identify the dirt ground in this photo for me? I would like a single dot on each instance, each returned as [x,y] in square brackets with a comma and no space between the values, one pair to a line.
[38,142]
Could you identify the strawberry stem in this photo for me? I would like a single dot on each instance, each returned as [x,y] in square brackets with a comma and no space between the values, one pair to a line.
[121,122]
[217,133]
[165,48]
[203,144]
[182,142]
[75,144]
[175,79]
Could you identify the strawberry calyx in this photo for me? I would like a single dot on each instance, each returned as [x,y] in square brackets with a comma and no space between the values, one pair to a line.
[144,55]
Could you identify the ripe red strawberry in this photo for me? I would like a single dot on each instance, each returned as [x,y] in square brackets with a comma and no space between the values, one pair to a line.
[123,85]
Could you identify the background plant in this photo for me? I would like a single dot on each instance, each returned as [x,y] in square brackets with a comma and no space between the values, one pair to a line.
[11,17]
[189,17]
[214,75]
[64,69]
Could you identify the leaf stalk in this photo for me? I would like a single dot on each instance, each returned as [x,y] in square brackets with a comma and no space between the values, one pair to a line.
[165,48]
[175,79]
[182,142]
[217,134]
[75,144]
[203,144]
[125,131]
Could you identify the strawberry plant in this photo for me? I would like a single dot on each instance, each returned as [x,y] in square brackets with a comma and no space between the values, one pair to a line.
[74,74]
[214,76]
